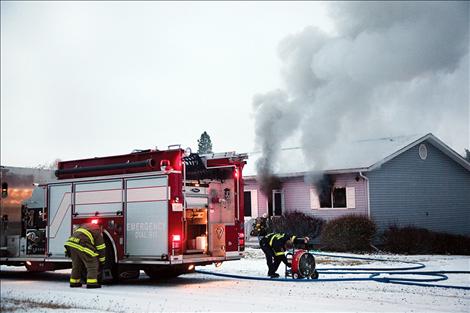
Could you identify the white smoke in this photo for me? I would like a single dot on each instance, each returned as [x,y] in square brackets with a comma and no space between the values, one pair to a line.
[392,68]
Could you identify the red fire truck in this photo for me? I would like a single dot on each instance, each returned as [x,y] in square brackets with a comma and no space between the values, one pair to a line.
[163,212]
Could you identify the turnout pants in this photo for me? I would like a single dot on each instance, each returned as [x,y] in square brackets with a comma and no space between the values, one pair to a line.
[271,260]
[83,263]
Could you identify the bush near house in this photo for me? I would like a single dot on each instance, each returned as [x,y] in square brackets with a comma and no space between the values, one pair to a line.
[349,233]
[295,223]
[414,240]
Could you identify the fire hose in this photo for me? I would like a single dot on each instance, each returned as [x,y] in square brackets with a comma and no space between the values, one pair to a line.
[375,274]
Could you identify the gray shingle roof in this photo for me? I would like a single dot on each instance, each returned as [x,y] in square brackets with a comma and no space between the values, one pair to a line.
[361,155]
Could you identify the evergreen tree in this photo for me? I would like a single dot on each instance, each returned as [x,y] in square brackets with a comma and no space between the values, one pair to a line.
[467,155]
[204,144]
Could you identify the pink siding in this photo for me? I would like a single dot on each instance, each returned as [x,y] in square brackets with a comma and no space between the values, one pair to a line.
[297,196]
[252,184]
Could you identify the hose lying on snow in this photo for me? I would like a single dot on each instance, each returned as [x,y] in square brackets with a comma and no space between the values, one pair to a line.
[375,274]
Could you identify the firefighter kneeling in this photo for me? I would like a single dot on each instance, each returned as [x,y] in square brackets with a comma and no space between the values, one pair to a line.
[87,249]
[274,247]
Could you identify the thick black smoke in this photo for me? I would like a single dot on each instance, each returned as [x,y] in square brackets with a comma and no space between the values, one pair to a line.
[391,68]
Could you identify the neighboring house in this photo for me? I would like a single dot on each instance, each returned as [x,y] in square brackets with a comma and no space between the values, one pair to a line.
[17,186]
[415,180]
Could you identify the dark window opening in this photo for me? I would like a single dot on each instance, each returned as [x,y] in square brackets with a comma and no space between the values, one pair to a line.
[339,198]
[325,200]
[247,203]
[277,203]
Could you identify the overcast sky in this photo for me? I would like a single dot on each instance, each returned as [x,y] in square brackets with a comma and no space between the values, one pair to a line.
[85,79]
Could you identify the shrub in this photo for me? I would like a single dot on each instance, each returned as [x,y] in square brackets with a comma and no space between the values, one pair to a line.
[296,223]
[414,240]
[350,233]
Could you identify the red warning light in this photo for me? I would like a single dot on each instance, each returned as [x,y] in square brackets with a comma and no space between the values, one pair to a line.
[176,238]
[94,221]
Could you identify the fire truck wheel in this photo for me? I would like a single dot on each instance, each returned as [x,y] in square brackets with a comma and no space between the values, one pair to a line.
[33,269]
[109,272]
[129,274]
[163,272]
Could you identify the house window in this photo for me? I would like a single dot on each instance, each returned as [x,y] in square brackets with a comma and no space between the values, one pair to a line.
[339,198]
[247,203]
[325,200]
[277,202]
[251,203]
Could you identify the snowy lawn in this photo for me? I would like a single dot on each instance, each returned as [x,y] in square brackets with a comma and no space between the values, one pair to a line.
[49,292]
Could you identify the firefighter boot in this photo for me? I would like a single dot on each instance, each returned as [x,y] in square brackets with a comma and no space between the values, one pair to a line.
[89,286]
[92,283]
[273,275]
[75,282]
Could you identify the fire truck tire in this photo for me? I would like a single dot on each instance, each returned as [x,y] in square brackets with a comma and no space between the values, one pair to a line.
[129,274]
[163,272]
[33,269]
[109,272]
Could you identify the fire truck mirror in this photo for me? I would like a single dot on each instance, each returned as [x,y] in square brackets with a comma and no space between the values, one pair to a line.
[4,190]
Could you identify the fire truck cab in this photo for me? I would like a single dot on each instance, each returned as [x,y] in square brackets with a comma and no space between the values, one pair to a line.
[162,211]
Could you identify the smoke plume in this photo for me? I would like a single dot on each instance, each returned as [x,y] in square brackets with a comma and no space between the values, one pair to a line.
[391,68]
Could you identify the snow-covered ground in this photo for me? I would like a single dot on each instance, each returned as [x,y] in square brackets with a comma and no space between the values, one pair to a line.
[49,292]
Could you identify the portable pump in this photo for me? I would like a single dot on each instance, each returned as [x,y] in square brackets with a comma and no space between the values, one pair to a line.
[302,264]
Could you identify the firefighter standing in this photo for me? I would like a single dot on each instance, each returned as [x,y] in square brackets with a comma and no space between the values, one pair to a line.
[274,246]
[87,249]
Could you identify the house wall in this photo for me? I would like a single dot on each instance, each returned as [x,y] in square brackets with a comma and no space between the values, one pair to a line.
[433,193]
[297,197]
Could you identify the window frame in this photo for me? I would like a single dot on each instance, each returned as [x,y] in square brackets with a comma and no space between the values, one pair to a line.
[350,199]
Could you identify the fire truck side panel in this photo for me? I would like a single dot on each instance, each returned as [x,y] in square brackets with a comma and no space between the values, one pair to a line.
[147,217]
[98,197]
[59,218]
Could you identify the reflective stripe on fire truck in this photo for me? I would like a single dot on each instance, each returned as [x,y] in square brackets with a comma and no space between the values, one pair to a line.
[101,247]
[80,248]
[87,233]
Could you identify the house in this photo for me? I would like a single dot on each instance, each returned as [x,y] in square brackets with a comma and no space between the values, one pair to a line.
[17,186]
[407,180]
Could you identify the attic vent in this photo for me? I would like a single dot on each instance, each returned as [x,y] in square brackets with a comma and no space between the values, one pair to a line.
[423,151]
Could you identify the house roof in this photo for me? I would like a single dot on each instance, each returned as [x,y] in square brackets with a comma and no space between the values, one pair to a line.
[361,155]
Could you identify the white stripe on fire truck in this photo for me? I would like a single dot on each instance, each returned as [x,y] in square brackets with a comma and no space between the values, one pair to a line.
[98,196]
[64,206]
[147,194]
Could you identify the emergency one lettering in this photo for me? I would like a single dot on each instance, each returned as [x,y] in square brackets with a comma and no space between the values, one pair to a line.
[145,230]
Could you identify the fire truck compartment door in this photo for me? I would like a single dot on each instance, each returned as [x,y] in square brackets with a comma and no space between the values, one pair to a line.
[59,218]
[217,241]
[147,217]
